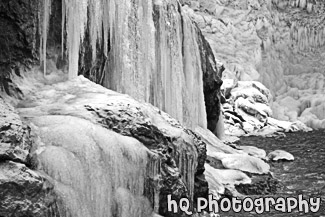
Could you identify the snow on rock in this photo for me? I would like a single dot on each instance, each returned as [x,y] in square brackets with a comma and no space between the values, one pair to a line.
[228,176]
[246,106]
[253,151]
[222,156]
[218,179]
[244,163]
[247,110]
[280,155]
[288,126]
[99,132]
[213,143]
[226,166]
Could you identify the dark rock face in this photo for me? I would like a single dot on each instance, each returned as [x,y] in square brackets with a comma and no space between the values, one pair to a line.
[23,192]
[212,81]
[18,37]
[15,142]
[261,185]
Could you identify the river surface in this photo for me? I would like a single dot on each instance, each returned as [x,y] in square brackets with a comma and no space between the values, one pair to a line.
[303,176]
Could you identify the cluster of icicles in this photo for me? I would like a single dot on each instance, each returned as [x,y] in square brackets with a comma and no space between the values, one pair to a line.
[152,52]
[74,21]
[303,4]
[307,37]
[153,58]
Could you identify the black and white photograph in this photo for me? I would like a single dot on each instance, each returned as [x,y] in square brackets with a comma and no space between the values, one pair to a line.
[162,108]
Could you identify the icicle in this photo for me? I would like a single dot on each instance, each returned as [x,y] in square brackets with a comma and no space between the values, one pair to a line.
[101,175]
[46,20]
[157,64]
[63,28]
[309,7]
[302,4]
[76,18]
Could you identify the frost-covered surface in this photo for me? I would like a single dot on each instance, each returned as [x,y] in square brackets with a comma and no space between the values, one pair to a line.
[247,110]
[305,101]
[279,43]
[86,133]
[280,155]
[227,166]
[253,151]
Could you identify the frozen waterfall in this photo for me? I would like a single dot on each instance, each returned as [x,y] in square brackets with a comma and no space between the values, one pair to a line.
[151,49]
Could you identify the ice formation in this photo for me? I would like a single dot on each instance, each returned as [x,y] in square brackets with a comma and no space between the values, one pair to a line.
[151,49]
[88,162]
[45,27]
[280,43]
[95,178]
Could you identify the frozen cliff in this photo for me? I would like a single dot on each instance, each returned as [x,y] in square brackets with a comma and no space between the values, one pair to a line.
[150,50]
[75,148]
[70,147]
[90,151]
[279,43]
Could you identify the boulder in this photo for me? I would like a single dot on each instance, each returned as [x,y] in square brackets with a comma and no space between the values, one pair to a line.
[280,155]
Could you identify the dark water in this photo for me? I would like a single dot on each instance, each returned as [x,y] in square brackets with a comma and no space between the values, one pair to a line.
[305,175]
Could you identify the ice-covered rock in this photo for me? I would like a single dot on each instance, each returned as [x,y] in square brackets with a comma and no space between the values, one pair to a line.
[244,163]
[247,111]
[226,176]
[214,144]
[84,133]
[288,126]
[247,107]
[226,165]
[231,158]
[216,187]
[280,155]
[253,151]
